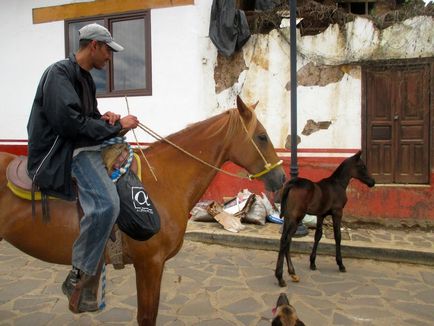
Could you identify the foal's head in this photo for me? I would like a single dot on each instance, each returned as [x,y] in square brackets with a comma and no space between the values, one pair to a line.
[359,171]
[259,159]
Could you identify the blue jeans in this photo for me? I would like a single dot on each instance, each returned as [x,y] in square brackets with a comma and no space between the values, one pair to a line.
[100,203]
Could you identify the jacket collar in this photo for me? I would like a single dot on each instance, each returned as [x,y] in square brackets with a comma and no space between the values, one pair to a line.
[77,67]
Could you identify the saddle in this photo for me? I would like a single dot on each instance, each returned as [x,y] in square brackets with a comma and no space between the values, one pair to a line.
[20,183]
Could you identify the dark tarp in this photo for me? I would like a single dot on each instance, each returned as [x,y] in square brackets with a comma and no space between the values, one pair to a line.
[228,29]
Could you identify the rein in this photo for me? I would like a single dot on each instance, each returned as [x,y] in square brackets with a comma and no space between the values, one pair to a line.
[267,166]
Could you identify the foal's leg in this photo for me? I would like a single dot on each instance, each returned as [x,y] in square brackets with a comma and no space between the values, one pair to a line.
[292,229]
[289,228]
[318,236]
[337,217]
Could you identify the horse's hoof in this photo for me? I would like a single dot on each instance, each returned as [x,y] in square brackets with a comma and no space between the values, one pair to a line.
[342,269]
[295,278]
[312,267]
[282,283]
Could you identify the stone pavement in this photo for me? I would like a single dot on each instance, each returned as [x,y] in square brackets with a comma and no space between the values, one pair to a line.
[213,285]
[411,245]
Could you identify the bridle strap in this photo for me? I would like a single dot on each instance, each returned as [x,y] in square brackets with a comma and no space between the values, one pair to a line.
[267,166]
[265,171]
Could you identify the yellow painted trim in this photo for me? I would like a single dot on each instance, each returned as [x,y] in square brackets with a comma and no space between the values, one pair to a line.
[99,7]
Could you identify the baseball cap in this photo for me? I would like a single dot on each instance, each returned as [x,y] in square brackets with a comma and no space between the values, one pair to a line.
[99,33]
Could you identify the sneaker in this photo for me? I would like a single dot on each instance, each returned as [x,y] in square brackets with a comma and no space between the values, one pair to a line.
[88,296]
[70,282]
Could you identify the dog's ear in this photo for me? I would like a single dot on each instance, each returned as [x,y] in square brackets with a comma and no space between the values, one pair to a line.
[276,321]
[282,300]
[298,322]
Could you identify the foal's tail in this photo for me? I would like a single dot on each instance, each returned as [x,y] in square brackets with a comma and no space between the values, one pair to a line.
[286,189]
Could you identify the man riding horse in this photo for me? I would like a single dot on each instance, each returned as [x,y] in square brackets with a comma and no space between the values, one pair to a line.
[66,131]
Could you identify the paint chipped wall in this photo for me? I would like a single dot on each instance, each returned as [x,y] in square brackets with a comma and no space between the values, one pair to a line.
[329,77]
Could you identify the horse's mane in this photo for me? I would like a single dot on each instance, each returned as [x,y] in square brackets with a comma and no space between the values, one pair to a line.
[217,123]
[234,123]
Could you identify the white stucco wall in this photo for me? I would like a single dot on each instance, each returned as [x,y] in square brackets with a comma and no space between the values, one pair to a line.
[183,62]
[179,44]
[268,60]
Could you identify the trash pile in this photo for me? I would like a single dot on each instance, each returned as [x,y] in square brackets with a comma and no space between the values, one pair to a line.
[246,207]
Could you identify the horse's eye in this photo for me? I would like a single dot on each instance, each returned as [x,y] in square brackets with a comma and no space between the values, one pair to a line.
[262,137]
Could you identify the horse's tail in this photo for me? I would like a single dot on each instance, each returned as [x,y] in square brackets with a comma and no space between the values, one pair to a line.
[285,191]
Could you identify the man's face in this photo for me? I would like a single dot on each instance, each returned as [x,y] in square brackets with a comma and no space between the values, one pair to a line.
[102,53]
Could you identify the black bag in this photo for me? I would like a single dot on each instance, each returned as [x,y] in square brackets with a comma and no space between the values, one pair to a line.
[138,217]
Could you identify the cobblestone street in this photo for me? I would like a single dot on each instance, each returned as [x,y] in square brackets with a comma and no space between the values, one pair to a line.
[215,285]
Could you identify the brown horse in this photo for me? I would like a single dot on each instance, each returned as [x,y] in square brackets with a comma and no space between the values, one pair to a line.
[182,181]
[326,197]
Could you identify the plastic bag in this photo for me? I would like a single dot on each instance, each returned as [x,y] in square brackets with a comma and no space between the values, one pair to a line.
[248,206]
[138,217]
[199,213]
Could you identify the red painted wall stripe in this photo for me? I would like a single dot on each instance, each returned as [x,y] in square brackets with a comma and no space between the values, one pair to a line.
[395,202]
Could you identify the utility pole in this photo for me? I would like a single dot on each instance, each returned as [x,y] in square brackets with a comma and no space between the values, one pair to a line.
[301,228]
[293,65]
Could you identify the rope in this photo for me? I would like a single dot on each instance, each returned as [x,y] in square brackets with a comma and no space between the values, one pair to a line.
[117,173]
[138,146]
[103,283]
[158,137]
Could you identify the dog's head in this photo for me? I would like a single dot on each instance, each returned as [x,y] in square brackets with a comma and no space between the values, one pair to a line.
[285,314]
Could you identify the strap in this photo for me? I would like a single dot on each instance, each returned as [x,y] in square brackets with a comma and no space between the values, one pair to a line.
[33,200]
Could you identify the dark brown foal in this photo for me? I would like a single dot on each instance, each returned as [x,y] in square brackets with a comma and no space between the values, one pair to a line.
[326,197]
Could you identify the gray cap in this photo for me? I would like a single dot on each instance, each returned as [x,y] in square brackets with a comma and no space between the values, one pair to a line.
[99,33]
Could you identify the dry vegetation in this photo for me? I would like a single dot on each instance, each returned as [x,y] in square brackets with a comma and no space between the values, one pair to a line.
[318,15]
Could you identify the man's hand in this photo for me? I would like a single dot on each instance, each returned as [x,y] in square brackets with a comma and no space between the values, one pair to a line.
[110,117]
[129,122]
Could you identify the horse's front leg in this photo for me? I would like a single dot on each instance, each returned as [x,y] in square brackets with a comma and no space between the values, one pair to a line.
[318,236]
[148,284]
[337,218]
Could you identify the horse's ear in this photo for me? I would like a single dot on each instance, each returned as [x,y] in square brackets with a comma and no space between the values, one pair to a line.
[358,154]
[254,105]
[243,109]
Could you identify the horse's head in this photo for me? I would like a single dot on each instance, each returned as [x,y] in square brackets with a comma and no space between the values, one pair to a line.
[359,170]
[253,149]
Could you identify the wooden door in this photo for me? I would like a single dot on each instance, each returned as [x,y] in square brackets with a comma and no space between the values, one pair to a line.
[397,123]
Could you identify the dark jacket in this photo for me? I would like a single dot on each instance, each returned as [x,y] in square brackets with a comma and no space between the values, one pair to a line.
[64,116]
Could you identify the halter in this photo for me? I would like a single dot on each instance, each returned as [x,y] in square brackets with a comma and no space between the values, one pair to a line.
[267,166]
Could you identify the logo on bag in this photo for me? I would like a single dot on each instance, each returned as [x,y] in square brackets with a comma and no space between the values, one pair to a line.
[141,200]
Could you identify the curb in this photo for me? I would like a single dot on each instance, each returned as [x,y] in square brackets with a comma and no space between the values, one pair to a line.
[305,247]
